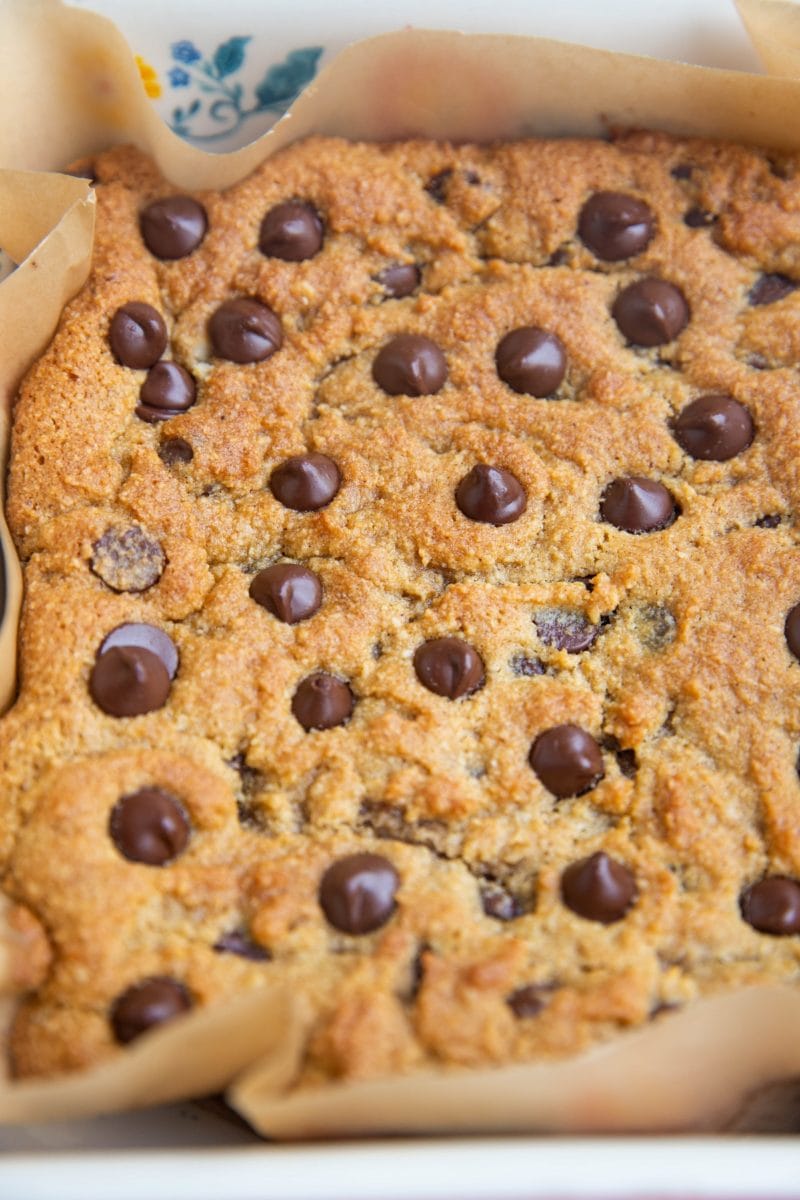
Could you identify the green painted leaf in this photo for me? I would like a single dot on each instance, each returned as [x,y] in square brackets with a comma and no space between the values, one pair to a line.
[229,56]
[285,80]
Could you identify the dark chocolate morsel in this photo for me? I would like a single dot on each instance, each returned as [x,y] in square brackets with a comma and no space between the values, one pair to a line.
[436,187]
[681,171]
[650,312]
[239,943]
[291,231]
[149,826]
[528,1001]
[522,665]
[322,701]
[167,390]
[175,450]
[531,361]
[567,760]
[151,1002]
[771,288]
[714,428]
[499,903]
[449,667]
[410,365]
[149,637]
[306,482]
[244,330]
[770,521]
[127,681]
[614,225]
[637,505]
[173,227]
[565,629]
[137,335]
[290,592]
[357,893]
[773,905]
[698,218]
[792,630]
[128,560]
[399,279]
[598,888]
[491,495]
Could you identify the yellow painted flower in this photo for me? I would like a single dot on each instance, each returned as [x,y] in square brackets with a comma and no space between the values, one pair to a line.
[149,78]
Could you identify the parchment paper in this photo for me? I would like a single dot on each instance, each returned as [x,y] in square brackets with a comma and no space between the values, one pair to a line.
[689,1069]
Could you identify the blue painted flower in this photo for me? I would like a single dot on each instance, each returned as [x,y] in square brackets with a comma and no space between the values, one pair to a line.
[178,77]
[185,52]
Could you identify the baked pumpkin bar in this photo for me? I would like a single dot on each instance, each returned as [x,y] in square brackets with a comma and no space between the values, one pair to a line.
[411,601]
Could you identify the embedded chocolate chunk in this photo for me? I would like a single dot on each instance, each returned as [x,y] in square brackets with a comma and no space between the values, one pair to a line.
[773,905]
[567,760]
[792,630]
[698,218]
[527,667]
[531,361]
[681,171]
[614,225]
[499,903]
[322,701]
[290,592]
[771,288]
[714,428]
[149,826]
[565,629]
[137,335]
[173,227]
[245,331]
[291,231]
[175,450]
[128,560]
[399,279]
[650,312]
[637,505]
[449,667]
[528,1001]
[167,390]
[357,893]
[306,482]
[149,637]
[770,521]
[152,1002]
[410,365]
[437,185]
[127,681]
[598,888]
[239,943]
[491,495]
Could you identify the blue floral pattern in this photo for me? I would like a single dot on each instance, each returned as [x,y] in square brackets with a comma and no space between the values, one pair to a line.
[222,107]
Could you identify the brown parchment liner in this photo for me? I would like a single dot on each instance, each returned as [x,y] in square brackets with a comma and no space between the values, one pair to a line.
[69,79]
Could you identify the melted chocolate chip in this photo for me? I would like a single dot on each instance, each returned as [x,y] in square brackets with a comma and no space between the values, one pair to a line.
[239,943]
[531,361]
[436,187]
[410,365]
[127,681]
[491,495]
[637,505]
[357,893]
[567,760]
[175,450]
[152,1002]
[306,482]
[528,1001]
[291,231]
[792,630]
[400,279]
[714,428]
[698,218]
[655,625]
[449,667]
[681,171]
[771,521]
[528,667]
[564,629]
[500,904]
[773,906]
[771,288]
[291,593]
[137,335]
[127,560]
[322,701]
[650,312]
[149,637]
[615,226]
[173,227]
[149,826]
[167,390]
[598,888]
[245,331]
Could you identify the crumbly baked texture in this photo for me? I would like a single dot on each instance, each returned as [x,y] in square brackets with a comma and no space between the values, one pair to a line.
[206,844]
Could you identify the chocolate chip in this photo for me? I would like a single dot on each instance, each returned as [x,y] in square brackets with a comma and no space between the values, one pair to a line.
[654,625]
[531,361]
[400,279]
[681,171]
[714,428]
[650,312]
[637,505]
[306,482]
[528,1001]
[291,593]
[567,760]
[175,450]
[291,231]
[773,905]
[627,763]
[758,362]
[239,943]
[491,495]
[598,888]
[149,637]
[149,826]
[127,560]
[529,667]
[771,521]
[436,187]
[771,288]
[357,893]
[615,226]
[167,390]
[698,218]
[137,335]
[500,904]
[127,681]
[449,667]
[322,701]
[173,227]
[152,1002]
[245,331]
[410,365]
[792,630]
[564,629]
